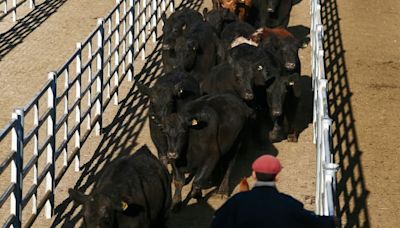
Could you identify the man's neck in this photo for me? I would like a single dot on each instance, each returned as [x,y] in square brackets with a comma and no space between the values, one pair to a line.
[265,183]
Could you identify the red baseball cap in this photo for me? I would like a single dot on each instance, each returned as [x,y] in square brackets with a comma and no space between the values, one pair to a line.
[267,164]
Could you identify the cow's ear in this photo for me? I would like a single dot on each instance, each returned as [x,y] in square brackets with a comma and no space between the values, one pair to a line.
[196,122]
[77,196]
[143,89]
[303,43]
[294,83]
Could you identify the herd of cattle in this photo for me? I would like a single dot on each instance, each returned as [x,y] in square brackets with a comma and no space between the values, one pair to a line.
[222,77]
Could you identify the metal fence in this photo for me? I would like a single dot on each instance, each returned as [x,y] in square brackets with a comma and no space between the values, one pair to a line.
[11,6]
[70,105]
[326,169]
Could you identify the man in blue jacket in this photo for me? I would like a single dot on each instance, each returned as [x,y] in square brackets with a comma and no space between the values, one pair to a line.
[264,206]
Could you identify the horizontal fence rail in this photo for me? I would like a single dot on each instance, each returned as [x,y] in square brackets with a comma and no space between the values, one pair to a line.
[326,169]
[70,106]
[10,7]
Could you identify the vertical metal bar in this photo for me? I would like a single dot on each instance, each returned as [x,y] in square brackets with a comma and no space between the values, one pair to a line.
[100,76]
[109,61]
[51,147]
[14,14]
[143,28]
[17,146]
[5,7]
[172,6]
[124,52]
[89,80]
[137,24]
[163,5]
[130,39]
[35,154]
[116,53]
[154,19]
[32,4]
[66,111]
[78,94]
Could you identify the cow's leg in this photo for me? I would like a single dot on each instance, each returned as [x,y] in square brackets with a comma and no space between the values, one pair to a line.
[179,182]
[276,133]
[201,177]
[223,189]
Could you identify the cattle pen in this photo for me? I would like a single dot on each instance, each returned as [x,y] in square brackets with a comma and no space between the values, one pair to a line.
[45,137]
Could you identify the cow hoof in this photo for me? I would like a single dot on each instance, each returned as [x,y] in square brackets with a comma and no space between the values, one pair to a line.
[292,138]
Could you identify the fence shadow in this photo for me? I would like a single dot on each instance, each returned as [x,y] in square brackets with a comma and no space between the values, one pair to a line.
[351,188]
[26,25]
[119,138]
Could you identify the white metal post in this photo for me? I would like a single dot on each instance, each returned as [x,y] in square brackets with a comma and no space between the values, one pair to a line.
[99,80]
[14,14]
[89,80]
[143,28]
[51,126]
[130,39]
[32,4]
[17,146]
[116,54]
[154,19]
[36,154]
[66,111]
[78,94]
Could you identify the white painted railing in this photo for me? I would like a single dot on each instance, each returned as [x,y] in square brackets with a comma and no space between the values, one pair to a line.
[8,7]
[70,105]
[326,169]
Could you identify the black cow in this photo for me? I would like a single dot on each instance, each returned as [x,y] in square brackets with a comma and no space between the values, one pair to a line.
[236,77]
[282,99]
[197,50]
[270,13]
[133,191]
[174,26]
[282,44]
[167,95]
[219,18]
[203,136]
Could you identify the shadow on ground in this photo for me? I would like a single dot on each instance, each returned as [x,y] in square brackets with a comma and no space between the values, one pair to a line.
[26,25]
[351,190]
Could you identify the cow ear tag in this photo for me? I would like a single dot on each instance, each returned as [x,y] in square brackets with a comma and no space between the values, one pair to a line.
[180,91]
[194,122]
[184,27]
[291,83]
[124,205]
[259,67]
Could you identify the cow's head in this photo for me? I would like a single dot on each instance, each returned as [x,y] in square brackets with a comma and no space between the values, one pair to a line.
[176,128]
[186,50]
[163,98]
[244,78]
[285,49]
[277,90]
[172,29]
[218,17]
[99,209]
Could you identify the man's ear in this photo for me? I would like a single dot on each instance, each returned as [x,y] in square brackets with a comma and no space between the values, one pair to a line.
[143,89]
[77,196]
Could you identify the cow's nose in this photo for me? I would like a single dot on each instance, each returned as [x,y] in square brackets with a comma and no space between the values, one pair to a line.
[270,10]
[172,155]
[248,96]
[276,113]
[290,66]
